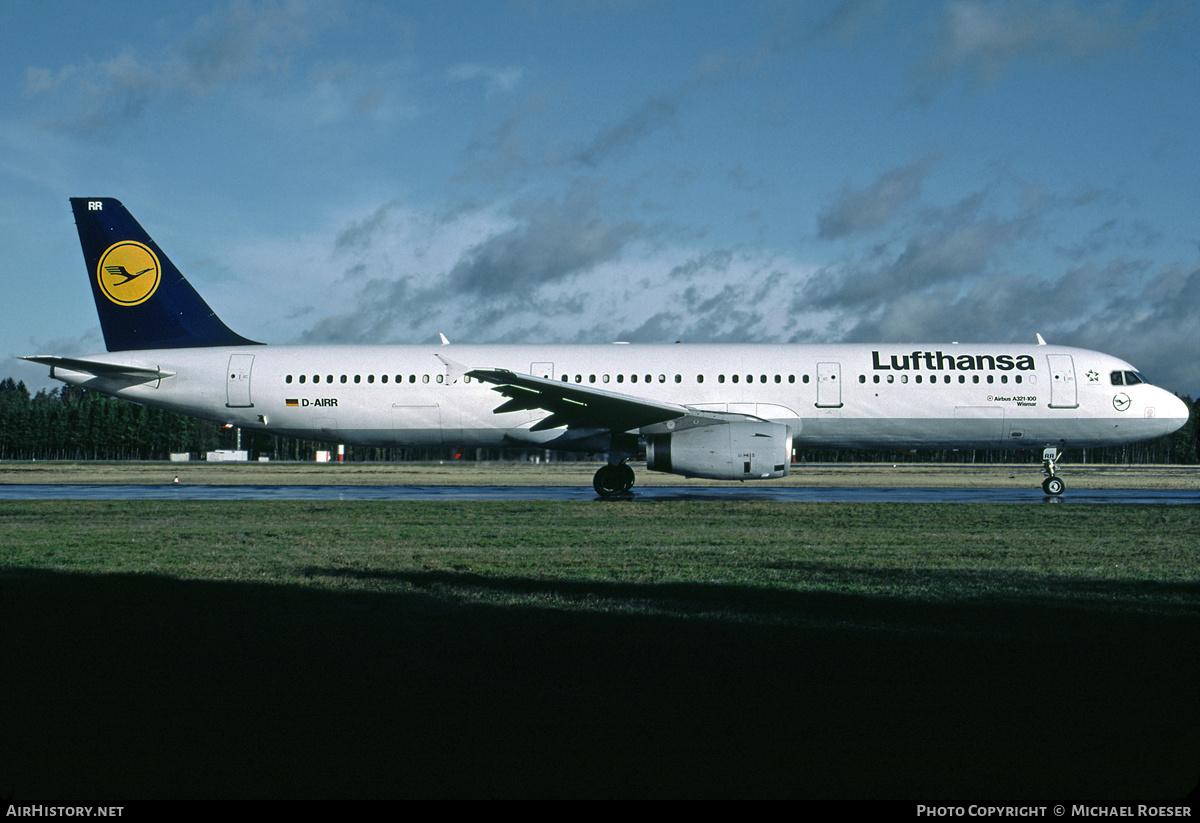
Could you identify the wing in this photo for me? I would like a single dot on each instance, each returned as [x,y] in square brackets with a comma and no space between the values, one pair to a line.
[573,405]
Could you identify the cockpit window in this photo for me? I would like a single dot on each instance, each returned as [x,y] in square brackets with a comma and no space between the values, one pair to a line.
[1126,378]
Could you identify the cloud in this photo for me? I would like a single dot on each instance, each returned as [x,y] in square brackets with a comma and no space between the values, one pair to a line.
[497,80]
[791,31]
[239,42]
[853,211]
[551,270]
[953,246]
[982,41]
[553,239]
[649,116]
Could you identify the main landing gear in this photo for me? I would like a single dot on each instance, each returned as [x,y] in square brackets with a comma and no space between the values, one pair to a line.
[1053,484]
[613,480]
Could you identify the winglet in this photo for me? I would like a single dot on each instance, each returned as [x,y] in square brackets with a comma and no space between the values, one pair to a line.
[143,301]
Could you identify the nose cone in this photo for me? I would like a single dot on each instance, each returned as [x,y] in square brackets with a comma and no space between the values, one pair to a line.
[1174,410]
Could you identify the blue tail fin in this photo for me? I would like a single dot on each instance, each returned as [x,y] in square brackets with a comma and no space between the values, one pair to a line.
[142,299]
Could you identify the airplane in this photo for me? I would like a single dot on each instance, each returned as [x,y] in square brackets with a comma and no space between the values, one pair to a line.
[726,412]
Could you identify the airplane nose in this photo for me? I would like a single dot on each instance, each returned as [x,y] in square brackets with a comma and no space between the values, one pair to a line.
[1176,410]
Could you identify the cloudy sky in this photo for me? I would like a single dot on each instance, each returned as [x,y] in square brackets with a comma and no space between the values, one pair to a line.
[574,171]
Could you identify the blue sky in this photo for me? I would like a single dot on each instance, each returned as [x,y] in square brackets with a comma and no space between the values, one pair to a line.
[577,171]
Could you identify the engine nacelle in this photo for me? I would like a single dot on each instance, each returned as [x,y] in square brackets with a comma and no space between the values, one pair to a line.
[741,450]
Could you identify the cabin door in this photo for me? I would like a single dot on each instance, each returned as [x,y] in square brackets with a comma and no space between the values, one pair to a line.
[1062,382]
[237,386]
[829,385]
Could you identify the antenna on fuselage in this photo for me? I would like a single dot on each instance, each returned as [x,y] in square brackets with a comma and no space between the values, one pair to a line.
[1041,342]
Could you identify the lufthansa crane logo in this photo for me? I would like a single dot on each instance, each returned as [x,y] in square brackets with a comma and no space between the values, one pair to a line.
[1121,402]
[128,273]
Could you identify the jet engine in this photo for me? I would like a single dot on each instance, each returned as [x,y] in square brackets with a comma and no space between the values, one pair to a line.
[739,450]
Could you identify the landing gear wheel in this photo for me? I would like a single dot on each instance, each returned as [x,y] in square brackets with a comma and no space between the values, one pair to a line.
[627,477]
[611,481]
[608,481]
[1053,486]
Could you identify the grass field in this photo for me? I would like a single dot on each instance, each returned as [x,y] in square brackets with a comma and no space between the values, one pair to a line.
[287,649]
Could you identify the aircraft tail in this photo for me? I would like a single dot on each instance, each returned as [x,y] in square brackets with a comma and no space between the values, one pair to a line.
[143,301]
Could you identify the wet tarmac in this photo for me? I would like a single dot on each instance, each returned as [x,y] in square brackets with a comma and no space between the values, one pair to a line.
[561,493]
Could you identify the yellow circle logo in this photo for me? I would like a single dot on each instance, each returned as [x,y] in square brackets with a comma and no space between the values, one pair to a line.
[128,273]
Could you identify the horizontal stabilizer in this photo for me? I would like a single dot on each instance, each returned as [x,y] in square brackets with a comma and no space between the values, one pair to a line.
[98,368]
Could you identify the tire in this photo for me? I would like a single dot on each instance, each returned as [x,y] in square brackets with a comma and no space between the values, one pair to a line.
[609,481]
[1053,486]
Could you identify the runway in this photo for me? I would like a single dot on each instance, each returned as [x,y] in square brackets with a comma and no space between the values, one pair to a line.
[647,494]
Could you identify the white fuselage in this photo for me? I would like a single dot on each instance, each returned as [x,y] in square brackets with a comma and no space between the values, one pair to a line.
[914,396]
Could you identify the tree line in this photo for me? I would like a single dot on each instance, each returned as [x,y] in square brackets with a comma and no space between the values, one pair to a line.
[71,423]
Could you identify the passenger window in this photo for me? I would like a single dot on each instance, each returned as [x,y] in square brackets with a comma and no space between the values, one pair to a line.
[918,378]
[699,378]
[962,378]
[974,378]
[620,378]
[875,378]
[891,378]
[383,378]
[287,379]
[633,378]
[991,379]
[302,378]
[904,378]
[805,378]
[679,378]
[735,378]
[370,378]
[791,378]
[862,378]
[358,378]
[591,378]
[662,378]
[720,378]
[424,378]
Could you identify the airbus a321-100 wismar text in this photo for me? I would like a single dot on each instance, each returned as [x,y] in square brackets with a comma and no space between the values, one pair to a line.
[729,412]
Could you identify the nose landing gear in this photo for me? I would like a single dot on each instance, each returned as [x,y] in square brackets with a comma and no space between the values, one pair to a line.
[1053,485]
